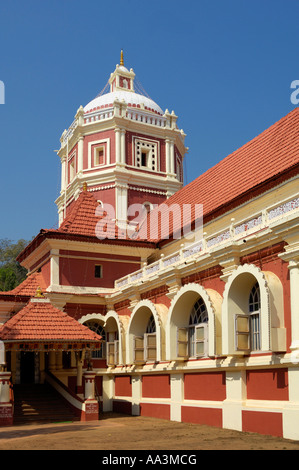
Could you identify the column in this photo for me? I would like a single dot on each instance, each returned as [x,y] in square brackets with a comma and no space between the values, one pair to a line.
[6,408]
[54,268]
[136,394]
[89,379]
[80,154]
[177,396]
[63,173]
[235,397]
[167,155]
[52,360]
[117,146]
[91,405]
[123,146]
[294,288]
[108,392]
[172,157]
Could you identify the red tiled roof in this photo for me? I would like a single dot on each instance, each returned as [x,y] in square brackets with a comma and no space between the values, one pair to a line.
[83,220]
[266,157]
[29,286]
[41,321]
[242,175]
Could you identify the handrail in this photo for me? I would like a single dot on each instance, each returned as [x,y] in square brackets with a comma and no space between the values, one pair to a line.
[233,233]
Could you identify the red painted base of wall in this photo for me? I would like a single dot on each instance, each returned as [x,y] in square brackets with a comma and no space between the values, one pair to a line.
[262,423]
[155,411]
[209,416]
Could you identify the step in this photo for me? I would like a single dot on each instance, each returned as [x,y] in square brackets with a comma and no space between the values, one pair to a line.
[40,403]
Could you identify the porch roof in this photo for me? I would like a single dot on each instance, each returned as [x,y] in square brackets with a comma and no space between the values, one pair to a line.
[40,322]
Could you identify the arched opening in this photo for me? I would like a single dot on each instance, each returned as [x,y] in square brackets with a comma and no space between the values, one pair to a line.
[252,317]
[144,334]
[191,327]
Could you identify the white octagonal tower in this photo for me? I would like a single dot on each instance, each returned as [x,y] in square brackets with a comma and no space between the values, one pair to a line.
[124,147]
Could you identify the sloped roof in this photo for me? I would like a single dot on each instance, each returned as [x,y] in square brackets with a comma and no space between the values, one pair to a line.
[29,285]
[39,321]
[243,173]
[26,289]
[84,217]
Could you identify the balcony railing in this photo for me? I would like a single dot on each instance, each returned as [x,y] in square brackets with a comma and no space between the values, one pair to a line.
[236,231]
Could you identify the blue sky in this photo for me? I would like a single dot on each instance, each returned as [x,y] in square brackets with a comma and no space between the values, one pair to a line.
[224,67]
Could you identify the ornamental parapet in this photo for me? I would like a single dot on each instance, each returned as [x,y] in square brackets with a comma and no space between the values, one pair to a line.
[275,218]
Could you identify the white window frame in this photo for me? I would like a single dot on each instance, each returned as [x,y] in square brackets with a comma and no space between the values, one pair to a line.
[96,158]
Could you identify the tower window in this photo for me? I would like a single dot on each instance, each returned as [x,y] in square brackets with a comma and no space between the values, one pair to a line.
[99,157]
[144,159]
[98,271]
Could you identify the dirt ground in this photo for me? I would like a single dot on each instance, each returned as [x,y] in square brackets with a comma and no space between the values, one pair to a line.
[119,432]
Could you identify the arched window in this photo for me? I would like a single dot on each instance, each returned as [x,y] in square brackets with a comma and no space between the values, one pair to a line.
[95,326]
[248,331]
[145,348]
[197,332]
[254,317]
[112,348]
[151,326]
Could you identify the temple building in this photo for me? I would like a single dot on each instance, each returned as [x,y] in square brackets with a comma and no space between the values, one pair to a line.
[124,310]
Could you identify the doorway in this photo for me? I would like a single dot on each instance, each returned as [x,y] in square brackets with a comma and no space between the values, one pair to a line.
[27,365]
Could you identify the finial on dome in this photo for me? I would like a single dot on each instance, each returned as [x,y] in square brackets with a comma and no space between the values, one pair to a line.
[121,58]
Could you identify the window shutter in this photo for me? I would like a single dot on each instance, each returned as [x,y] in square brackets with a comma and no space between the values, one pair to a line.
[151,347]
[110,354]
[116,351]
[242,333]
[201,340]
[182,343]
[138,349]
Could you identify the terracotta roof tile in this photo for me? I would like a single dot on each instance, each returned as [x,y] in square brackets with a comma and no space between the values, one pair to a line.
[83,219]
[41,321]
[29,286]
[268,155]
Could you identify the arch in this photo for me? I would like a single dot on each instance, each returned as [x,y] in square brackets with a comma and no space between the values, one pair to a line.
[235,302]
[101,354]
[138,324]
[179,314]
[111,319]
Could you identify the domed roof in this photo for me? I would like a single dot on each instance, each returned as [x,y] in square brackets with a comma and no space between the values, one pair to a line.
[122,88]
[132,99]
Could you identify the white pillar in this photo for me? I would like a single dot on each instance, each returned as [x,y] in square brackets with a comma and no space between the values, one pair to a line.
[123,146]
[167,155]
[108,393]
[80,154]
[54,268]
[177,396]
[171,157]
[235,398]
[294,288]
[136,394]
[117,146]
[5,387]
[89,379]
[63,173]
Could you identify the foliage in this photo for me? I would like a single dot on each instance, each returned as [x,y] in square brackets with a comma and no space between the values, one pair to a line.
[11,272]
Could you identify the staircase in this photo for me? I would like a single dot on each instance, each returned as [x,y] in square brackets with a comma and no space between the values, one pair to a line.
[37,404]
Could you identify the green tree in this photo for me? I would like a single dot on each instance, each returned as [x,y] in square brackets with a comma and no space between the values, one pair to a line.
[11,272]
